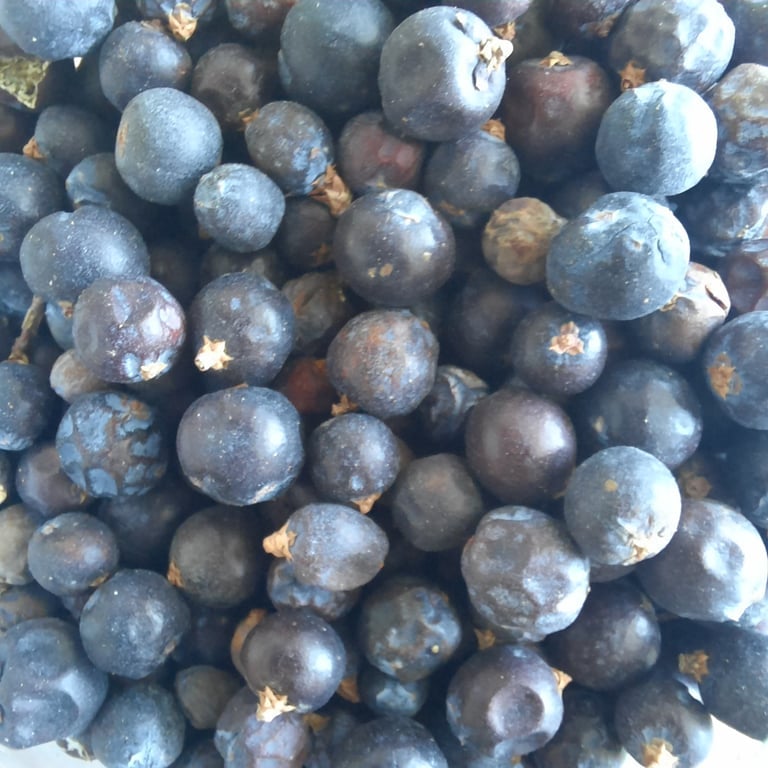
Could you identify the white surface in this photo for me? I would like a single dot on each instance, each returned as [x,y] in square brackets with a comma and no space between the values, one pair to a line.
[730,749]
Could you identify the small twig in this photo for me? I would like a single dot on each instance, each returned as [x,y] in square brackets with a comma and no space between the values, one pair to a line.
[29,327]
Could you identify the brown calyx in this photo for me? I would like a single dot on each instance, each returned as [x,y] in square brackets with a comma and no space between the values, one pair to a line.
[723,377]
[174,575]
[694,486]
[29,327]
[348,689]
[495,128]
[555,59]
[493,52]
[562,679]
[212,356]
[366,504]
[241,633]
[657,753]
[151,371]
[331,190]
[632,76]
[181,22]
[345,405]
[32,150]
[506,31]
[568,341]
[280,542]
[485,638]
[272,705]
[694,665]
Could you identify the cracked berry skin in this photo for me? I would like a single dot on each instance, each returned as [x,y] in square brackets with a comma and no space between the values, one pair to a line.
[297,655]
[241,445]
[393,247]
[48,687]
[128,330]
[512,679]
[111,444]
[735,362]
[623,258]
[384,361]
[165,142]
[524,573]
[132,622]
[242,329]
[622,505]
[434,83]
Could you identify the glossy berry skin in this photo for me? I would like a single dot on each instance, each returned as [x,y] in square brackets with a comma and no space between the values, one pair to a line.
[384,360]
[353,458]
[51,30]
[645,404]
[520,446]
[31,191]
[49,689]
[294,656]
[110,444]
[385,695]
[291,144]
[141,724]
[64,253]
[166,141]
[128,330]
[408,628]
[329,53]
[393,248]
[659,139]
[735,362]
[215,559]
[331,546]
[203,691]
[657,719]
[72,553]
[392,740]
[614,640]
[622,505]
[132,622]
[437,81]
[517,676]
[26,404]
[372,157]
[137,56]
[241,328]
[714,567]
[524,573]
[552,109]
[558,352]
[239,207]
[240,445]
[624,257]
